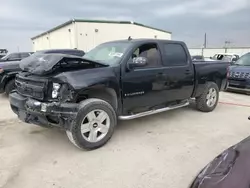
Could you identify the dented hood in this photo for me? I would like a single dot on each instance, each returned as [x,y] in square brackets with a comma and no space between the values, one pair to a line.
[42,64]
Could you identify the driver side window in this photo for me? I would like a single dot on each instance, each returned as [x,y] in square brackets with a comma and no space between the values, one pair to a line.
[150,52]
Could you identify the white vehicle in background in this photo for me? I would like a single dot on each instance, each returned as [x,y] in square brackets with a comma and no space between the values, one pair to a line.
[3,52]
[229,57]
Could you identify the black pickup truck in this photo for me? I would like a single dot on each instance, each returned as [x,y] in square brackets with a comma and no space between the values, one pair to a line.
[122,80]
[9,69]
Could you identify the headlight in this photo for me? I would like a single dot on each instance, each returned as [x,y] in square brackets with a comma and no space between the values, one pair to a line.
[55,90]
[1,70]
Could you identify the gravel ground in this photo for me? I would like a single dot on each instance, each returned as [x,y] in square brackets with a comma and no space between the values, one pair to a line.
[159,151]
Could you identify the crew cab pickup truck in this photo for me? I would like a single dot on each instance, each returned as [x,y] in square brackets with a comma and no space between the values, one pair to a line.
[123,80]
[9,69]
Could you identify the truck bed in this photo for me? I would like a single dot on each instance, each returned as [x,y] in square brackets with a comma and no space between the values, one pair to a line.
[210,70]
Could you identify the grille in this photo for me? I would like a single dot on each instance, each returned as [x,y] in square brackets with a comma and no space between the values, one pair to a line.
[30,87]
[239,75]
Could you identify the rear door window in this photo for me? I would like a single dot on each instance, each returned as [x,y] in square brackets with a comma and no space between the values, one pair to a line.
[174,55]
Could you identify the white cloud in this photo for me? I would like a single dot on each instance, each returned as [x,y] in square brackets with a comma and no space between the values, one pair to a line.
[203,8]
[31,17]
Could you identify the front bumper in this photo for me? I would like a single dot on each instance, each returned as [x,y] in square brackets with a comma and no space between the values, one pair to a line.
[239,85]
[247,90]
[43,113]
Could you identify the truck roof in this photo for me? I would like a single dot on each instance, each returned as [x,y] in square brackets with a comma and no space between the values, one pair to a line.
[142,40]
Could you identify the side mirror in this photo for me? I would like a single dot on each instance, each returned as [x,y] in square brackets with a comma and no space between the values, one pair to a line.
[210,57]
[138,62]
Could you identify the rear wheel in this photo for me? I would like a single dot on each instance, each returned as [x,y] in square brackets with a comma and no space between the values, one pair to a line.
[94,124]
[209,98]
[10,86]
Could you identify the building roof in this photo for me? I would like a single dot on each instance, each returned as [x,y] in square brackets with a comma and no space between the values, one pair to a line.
[97,21]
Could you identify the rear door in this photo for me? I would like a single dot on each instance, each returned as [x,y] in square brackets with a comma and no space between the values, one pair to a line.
[178,71]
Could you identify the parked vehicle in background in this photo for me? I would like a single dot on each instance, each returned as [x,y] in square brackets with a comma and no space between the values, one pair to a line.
[201,58]
[239,75]
[75,52]
[124,79]
[197,58]
[228,57]
[16,56]
[9,69]
[3,52]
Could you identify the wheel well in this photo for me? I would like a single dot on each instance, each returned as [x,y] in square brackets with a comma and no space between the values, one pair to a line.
[10,79]
[107,94]
[218,82]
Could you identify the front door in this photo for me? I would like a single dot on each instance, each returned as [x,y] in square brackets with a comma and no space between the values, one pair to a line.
[142,87]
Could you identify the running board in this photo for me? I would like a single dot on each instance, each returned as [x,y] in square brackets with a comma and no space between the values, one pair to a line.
[151,112]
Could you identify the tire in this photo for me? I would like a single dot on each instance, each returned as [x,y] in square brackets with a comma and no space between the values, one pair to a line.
[202,103]
[9,87]
[88,138]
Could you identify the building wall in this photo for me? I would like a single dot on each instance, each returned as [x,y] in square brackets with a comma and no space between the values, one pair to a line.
[90,35]
[58,39]
[208,52]
[86,35]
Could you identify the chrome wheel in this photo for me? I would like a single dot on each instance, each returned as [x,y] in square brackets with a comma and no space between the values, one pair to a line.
[211,97]
[95,125]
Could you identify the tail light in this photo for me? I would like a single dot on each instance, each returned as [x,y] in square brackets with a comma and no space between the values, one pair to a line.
[228,72]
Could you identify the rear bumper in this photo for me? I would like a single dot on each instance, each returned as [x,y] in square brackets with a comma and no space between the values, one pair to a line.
[44,114]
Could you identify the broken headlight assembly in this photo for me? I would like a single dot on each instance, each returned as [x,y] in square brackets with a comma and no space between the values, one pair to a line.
[55,90]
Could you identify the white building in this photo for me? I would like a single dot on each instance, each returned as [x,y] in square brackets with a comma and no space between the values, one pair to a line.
[86,34]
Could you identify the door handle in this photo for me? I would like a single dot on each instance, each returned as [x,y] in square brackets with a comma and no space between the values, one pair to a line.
[187,71]
[160,75]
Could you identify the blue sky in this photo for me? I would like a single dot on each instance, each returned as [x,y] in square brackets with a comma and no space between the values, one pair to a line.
[187,19]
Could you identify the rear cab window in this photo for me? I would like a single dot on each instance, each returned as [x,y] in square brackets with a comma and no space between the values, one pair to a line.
[174,55]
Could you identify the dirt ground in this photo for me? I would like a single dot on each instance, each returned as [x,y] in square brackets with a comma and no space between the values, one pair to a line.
[159,151]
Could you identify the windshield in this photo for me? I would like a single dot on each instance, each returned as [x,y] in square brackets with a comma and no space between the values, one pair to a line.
[244,60]
[108,53]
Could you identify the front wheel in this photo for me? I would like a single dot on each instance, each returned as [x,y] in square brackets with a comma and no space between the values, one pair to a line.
[94,124]
[209,98]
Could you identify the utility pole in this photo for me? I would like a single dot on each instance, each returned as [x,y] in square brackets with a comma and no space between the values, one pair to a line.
[204,44]
[227,44]
[205,41]
[17,48]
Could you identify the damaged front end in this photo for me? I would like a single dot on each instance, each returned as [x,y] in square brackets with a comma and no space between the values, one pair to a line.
[41,97]
[43,113]
[42,101]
